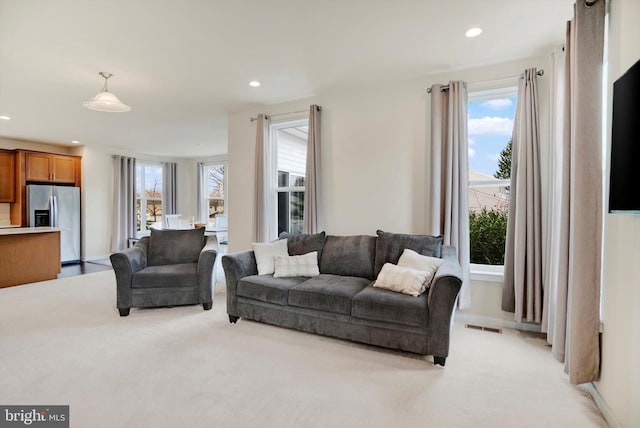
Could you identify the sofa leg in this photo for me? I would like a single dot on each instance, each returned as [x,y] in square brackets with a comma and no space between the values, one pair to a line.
[233,319]
[124,312]
[439,360]
[207,306]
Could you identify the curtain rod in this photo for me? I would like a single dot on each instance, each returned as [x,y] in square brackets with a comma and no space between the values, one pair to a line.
[253,119]
[446,87]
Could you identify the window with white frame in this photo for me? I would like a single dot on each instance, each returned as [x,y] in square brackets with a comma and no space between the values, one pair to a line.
[215,190]
[288,146]
[148,196]
[490,126]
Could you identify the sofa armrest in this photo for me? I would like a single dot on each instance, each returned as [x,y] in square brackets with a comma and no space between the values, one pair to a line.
[236,266]
[443,294]
[206,262]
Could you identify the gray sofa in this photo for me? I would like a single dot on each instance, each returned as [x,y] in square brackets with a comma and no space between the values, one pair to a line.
[341,301]
[168,268]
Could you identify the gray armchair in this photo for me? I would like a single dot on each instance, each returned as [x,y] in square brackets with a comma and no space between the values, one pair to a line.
[170,267]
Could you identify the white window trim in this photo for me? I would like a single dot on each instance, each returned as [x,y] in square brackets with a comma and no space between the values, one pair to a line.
[143,198]
[205,197]
[508,89]
[273,172]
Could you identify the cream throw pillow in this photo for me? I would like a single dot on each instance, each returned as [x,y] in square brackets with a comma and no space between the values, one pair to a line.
[265,254]
[413,260]
[401,279]
[304,265]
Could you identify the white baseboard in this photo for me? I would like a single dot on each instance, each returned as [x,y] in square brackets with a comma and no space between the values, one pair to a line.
[592,390]
[495,322]
[88,259]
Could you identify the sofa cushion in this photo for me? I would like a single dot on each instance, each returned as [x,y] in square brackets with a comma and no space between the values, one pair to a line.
[302,243]
[413,260]
[349,256]
[178,275]
[391,245]
[378,304]
[304,265]
[169,247]
[329,293]
[266,288]
[265,253]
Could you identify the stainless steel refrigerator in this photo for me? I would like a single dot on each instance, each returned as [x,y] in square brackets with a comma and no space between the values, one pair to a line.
[57,206]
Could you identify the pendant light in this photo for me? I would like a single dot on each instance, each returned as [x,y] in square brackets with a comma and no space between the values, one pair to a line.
[105,100]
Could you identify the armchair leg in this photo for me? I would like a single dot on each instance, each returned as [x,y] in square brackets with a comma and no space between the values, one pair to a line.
[124,312]
[439,360]
[233,319]
[207,306]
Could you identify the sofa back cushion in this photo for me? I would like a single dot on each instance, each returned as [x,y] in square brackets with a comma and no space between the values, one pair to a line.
[349,256]
[390,246]
[170,247]
[301,243]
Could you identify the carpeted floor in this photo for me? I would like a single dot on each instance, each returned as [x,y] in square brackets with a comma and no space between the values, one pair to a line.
[62,342]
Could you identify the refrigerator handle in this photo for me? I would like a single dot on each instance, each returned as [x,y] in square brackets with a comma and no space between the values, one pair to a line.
[54,211]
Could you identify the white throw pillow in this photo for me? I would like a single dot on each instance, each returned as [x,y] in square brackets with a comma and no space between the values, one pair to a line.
[265,254]
[413,260]
[401,279]
[304,265]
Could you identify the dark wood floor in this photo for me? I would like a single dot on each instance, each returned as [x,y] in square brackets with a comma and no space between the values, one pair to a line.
[82,268]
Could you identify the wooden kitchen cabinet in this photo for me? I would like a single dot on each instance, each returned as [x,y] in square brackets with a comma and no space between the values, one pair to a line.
[7,176]
[51,168]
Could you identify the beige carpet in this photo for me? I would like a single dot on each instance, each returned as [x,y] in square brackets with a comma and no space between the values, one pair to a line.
[62,342]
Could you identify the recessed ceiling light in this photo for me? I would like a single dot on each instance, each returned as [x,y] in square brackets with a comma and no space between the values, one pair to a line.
[5,118]
[473,32]
[254,83]
[75,141]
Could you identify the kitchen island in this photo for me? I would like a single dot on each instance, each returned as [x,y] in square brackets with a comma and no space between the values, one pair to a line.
[29,254]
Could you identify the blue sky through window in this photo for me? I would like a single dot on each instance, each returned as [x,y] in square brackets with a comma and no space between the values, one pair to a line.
[490,127]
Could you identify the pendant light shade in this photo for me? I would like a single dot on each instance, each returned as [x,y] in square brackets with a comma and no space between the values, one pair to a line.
[105,100]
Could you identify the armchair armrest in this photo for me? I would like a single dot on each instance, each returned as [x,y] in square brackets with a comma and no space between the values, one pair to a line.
[206,262]
[443,294]
[125,264]
[236,266]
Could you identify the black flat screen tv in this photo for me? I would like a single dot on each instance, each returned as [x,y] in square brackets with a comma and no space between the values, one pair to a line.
[624,178]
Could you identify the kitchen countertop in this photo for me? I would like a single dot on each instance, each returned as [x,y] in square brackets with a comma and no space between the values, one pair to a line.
[25,230]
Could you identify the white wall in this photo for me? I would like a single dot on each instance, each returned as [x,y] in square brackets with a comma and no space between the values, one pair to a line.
[374,143]
[619,382]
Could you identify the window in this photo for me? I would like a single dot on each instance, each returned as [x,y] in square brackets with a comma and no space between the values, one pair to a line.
[490,128]
[215,190]
[289,163]
[148,196]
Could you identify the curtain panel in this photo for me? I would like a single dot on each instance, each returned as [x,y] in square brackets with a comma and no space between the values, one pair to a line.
[201,205]
[522,288]
[577,210]
[169,188]
[313,208]
[261,215]
[449,175]
[124,202]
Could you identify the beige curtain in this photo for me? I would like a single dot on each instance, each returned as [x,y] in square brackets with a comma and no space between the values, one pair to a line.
[261,217]
[449,175]
[313,209]
[124,202]
[202,208]
[522,288]
[579,206]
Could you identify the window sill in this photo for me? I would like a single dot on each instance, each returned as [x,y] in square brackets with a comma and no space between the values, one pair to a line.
[487,273]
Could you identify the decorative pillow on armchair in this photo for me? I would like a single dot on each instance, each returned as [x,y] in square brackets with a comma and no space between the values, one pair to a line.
[170,247]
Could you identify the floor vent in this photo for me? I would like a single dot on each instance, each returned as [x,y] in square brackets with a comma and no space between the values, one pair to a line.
[483,328]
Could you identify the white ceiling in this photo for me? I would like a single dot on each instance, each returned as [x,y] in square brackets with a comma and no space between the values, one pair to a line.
[183,65]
